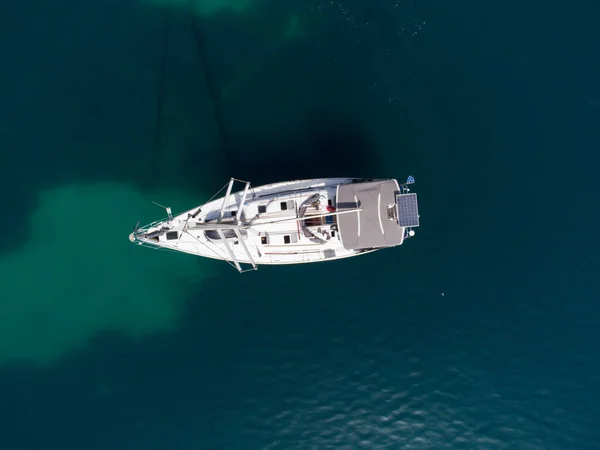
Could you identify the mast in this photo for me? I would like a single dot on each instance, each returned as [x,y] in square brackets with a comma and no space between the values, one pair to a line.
[241,205]
[219,226]
[231,254]
[335,213]
[225,200]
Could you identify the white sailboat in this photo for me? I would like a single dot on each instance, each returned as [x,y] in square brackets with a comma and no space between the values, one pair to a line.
[292,222]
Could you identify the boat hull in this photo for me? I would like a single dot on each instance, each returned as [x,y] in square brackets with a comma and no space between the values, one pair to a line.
[293,222]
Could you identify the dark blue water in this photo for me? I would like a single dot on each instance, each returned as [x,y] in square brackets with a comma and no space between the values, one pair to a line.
[479,333]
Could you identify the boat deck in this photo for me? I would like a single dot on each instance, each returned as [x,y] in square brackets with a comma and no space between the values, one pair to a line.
[288,223]
[273,236]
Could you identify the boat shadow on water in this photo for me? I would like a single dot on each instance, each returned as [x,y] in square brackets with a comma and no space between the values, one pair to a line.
[320,146]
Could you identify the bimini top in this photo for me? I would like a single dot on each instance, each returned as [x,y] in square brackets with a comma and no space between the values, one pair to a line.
[372,226]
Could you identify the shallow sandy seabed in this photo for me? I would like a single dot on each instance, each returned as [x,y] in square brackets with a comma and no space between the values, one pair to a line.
[79,275]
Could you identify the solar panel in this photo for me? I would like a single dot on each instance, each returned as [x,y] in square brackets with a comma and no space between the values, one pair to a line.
[408,210]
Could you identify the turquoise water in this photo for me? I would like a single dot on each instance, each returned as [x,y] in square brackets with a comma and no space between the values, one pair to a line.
[481,332]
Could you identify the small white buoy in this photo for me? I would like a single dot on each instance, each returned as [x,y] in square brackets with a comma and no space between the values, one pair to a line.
[411,233]
[442,294]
